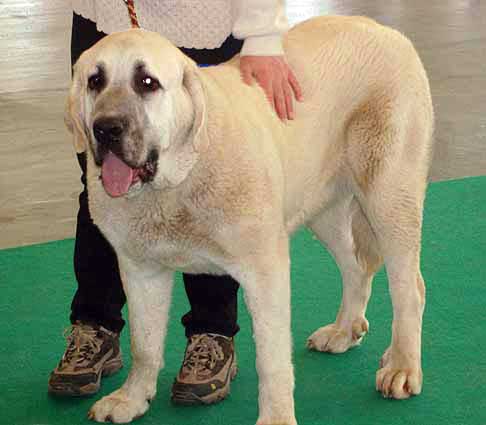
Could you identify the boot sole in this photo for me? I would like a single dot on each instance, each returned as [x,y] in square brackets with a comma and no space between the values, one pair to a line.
[190,399]
[69,389]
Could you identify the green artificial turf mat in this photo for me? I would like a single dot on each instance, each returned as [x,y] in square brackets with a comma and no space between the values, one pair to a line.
[37,285]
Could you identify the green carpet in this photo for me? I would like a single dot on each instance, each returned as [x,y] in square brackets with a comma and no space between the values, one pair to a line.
[37,284]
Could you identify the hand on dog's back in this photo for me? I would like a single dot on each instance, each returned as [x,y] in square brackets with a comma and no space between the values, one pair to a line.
[277,80]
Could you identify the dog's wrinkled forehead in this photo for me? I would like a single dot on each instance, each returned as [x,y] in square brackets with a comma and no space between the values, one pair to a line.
[120,54]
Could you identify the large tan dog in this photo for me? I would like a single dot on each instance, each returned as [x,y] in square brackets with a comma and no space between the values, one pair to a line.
[190,169]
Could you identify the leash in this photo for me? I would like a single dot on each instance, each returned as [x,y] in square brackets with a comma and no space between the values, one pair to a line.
[132,13]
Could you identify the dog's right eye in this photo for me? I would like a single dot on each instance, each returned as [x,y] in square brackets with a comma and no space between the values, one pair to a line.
[96,82]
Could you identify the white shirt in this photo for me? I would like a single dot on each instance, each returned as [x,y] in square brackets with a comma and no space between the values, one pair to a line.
[197,23]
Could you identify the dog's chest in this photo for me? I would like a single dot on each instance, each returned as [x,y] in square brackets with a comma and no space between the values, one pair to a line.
[175,237]
[182,255]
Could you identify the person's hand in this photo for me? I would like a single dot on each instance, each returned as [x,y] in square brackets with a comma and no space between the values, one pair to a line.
[277,80]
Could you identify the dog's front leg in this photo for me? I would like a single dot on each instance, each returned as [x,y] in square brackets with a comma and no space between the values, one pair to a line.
[148,296]
[266,282]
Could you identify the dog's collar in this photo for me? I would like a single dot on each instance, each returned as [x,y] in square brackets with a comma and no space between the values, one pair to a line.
[132,13]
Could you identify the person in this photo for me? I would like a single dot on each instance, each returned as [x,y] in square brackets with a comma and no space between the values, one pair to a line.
[209,35]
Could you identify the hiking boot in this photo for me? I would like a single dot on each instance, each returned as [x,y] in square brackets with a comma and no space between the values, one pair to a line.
[92,352]
[206,373]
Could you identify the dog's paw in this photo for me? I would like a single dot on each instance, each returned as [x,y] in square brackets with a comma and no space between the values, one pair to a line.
[396,379]
[118,408]
[334,339]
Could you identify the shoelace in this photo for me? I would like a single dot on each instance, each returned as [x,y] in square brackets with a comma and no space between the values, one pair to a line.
[83,344]
[202,354]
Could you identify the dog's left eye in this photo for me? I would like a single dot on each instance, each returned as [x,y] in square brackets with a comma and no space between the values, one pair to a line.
[150,83]
[96,82]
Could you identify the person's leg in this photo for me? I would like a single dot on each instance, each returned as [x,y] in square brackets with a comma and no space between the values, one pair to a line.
[213,301]
[99,297]
[93,347]
[209,361]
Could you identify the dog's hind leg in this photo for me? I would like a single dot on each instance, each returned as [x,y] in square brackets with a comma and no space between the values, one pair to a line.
[389,157]
[396,219]
[348,236]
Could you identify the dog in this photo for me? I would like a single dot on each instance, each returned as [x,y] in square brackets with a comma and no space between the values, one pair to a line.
[190,169]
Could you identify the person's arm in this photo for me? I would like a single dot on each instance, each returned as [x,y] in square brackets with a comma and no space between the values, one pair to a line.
[261,24]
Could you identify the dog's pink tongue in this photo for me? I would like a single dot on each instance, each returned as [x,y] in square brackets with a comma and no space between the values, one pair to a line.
[116,176]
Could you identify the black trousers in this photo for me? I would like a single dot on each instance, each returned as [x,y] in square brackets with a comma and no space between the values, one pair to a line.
[99,297]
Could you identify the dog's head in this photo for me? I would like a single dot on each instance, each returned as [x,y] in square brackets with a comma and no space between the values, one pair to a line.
[137,103]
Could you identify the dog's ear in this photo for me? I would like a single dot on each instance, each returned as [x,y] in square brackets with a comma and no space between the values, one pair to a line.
[74,114]
[194,86]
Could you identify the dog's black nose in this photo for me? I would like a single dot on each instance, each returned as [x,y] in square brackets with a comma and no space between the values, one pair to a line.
[108,130]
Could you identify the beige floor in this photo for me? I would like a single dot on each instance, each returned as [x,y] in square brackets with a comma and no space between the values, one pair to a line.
[38,173]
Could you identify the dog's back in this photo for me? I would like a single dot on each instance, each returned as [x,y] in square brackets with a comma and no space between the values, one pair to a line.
[363,84]
[374,100]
